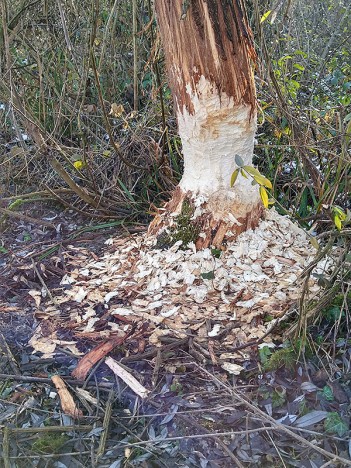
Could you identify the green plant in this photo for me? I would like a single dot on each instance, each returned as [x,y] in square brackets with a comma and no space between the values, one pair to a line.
[257,178]
[50,443]
[184,229]
[285,357]
[335,424]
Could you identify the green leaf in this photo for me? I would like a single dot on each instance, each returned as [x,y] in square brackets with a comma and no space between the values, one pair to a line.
[264,354]
[299,67]
[78,164]
[337,222]
[234,177]
[209,275]
[263,181]
[334,424]
[216,252]
[265,16]
[126,191]
[327,392]
[243,173]
[342,215]
[278,398]
[252,170]
[239,161]
[3,250]
[259,178]
[264,196]
[314,242]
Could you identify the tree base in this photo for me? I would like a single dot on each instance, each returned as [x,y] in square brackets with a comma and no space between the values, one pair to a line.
[212,222]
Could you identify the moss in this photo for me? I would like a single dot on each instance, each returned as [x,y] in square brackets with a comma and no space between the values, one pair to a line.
[184,229]
[286,357]
[50,443]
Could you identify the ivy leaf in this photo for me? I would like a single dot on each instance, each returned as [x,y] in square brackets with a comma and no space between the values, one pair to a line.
[239,161]
[335,424]
[234,177]
[3,250]
[264,196]
[216,252]
[264,354]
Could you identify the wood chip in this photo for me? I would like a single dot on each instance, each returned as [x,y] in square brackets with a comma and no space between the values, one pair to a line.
[131,381]
[67,403]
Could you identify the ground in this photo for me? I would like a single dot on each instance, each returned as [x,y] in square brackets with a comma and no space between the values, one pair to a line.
[216,396]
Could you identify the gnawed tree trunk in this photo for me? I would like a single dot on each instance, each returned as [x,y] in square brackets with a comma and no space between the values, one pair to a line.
[209,49]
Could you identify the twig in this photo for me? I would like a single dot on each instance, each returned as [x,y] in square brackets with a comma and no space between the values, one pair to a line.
[158,362]
[43,283]
[153,352]
[192,422]
[38,430]
[105,426]
[10,356]
[6,447]
[26,378]
[135,56]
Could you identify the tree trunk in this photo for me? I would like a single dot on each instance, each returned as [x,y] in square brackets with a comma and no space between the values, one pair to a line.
[209,49]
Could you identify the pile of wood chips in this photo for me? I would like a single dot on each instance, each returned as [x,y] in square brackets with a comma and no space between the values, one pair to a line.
[230,297]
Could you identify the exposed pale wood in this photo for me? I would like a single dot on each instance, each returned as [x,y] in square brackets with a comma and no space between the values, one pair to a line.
[67,402]
[131,381]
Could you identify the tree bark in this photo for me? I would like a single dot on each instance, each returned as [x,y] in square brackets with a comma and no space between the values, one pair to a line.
[209,53]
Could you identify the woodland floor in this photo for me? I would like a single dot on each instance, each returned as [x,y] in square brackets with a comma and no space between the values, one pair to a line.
[196,414]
